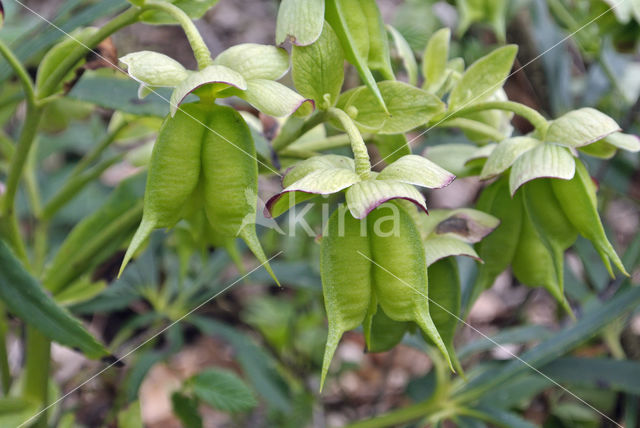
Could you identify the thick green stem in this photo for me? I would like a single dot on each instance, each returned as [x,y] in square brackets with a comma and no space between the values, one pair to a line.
[535,118]
[358,147]
[50,85]
[200,49]
[473,126]
[36,380]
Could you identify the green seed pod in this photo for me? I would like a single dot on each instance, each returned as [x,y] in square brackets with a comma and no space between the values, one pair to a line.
[399,271]
[346,279]
[498,248]
[381,333]
[553,227]
[173,174]
[577,197]
[533,263]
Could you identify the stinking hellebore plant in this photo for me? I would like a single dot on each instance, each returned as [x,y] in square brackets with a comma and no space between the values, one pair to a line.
[386,265]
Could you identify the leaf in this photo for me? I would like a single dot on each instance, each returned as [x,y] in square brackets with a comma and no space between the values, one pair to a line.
[275,99]
[439,247]
[483,78]
[349,22]
[186,409]
[506,336]
[131,416]
[299,21]
[505,154]
[211,80]
[409,107]
[391,147]
[596,373]
[417,170]
[406,54]
[16,411]
[378,57]
[195,9]
[80,291]
[434,60]
[118,94]
[453,157]
[255,61]
[581,127]
[364,196]
[501,417]
[318,70]
[545,160]
[23,296]
[154,69]
[223,390]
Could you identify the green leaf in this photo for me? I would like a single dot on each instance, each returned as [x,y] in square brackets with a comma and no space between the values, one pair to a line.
[581,127]
[131,416]
[350,24]
[545,160]
[483,78]
[80,291]
[503,418]
[299,21]
[16,411]
[275,99]
[186,409]
[417,170]
[507,336]
[409,107]
[210,80]
[454,157]
[391,147]
[406,54]
[154,69]
[435,58]
[378,57]
[116,93]
[364,196]
[382,333]
[195,9]
[596,373]
[223,390]
[505,154]
[255,61]
[318,70]
[26,298]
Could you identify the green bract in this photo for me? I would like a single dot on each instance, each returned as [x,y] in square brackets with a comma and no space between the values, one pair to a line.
[248,71]
[204,158]
[324,175]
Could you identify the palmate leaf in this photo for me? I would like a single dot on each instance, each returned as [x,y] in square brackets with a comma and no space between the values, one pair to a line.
[23,296]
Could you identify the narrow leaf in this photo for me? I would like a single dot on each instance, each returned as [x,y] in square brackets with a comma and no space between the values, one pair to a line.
[435,58]
[23,296]
[406,54]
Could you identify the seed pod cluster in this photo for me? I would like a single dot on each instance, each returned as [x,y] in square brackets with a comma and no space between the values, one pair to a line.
[204,159]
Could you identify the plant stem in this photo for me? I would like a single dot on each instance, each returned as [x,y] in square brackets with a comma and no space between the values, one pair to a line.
[358,147]
[36,381]
[284,140]
[97,150]
[50,85]
[536,119]
[473,126]
[8,219]
[200,49]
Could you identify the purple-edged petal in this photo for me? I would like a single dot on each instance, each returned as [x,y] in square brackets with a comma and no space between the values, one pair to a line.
[154,69]
[365,196]
[628,142]
[307,166]
[255,61]
[319,182]
[545,160]
[275,99]
[439,247]
[465,224]
[213,74]
[581,127]
[419,171]
[505,154]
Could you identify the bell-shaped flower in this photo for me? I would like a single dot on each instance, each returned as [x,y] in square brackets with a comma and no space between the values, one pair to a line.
[248,71]
[328,174]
